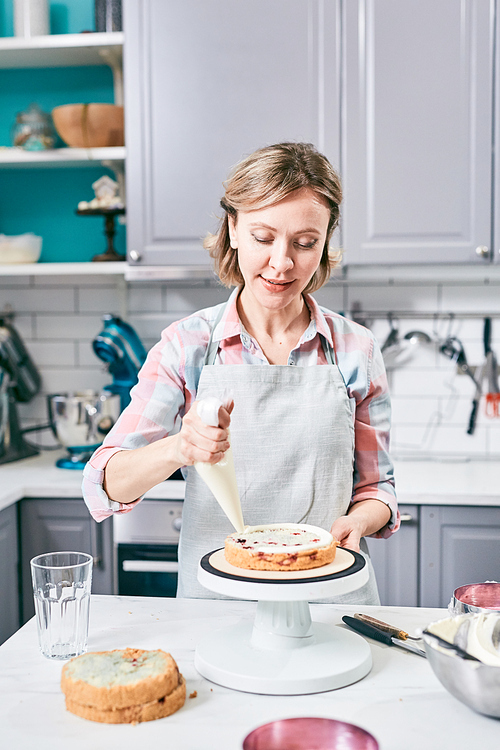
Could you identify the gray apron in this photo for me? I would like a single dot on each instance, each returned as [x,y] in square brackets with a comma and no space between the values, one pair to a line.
[292,435]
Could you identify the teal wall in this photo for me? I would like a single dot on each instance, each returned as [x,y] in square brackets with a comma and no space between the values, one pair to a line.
[44,200]
[66,16]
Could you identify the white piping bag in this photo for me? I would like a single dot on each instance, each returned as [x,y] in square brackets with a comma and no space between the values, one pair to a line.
[220,477]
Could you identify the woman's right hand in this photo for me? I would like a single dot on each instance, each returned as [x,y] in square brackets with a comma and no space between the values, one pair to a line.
[198,441]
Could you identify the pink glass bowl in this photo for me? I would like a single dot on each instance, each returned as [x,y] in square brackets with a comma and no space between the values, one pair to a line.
[309,734]
[477,597]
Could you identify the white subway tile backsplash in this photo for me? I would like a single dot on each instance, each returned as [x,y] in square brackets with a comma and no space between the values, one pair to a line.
[76,281]
[394,297]
[70,327]
[52,353]
[331,296]
[144,298]
[25,326]
[85,356]
[150,327]
[58,318]
[110,299]
[186,300]
[415,410]
[64,380]
[25,300]
[484,298]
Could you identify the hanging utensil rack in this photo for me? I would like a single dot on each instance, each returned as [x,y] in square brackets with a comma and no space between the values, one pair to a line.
[358,313]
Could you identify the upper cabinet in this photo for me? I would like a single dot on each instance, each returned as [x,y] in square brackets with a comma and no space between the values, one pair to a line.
[207,83]
[417,137]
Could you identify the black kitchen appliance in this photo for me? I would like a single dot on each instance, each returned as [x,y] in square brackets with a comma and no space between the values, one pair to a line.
[146,542]
[19,382]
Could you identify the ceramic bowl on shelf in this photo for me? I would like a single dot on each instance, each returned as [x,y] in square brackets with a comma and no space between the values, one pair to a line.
[20,248]
[309,734]
[90,125]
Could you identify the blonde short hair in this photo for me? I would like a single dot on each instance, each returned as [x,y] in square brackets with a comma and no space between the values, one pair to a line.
[263,179]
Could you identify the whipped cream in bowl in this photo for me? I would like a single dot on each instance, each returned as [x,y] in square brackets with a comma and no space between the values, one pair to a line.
[475,683]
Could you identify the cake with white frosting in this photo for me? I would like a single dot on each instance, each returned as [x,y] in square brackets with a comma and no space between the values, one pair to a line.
[123,686]
[280,546]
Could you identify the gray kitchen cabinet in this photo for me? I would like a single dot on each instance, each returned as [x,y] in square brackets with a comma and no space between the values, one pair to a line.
[459,545]
[205,84]
[9,581]
[395,561]
[63,525]
[417,136]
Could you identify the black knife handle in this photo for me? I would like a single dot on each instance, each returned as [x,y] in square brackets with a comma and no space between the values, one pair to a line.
[487,335]
[369,630]
[472,418]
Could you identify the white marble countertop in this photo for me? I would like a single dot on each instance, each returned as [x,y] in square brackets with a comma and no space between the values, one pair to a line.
[417,482]
[400,701]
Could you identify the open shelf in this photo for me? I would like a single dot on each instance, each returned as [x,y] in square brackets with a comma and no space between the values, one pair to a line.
[60,157]
[61,50]
[63,269]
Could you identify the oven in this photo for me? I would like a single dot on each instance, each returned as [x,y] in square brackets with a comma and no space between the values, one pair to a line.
[146,542]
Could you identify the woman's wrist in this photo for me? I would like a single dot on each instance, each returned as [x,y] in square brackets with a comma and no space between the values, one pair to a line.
[371,515]
[131,473]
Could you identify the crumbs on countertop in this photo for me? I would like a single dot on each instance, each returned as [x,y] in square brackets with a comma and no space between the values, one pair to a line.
[194,694]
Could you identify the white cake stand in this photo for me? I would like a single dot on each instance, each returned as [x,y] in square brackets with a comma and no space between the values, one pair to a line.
[283,652]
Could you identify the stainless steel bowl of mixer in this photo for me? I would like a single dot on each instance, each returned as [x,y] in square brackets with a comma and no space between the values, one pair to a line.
[80,421]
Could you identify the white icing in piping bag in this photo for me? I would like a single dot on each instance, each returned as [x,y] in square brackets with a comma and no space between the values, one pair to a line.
[220,477]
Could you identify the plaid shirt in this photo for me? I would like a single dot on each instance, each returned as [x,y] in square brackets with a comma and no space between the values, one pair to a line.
[168,382]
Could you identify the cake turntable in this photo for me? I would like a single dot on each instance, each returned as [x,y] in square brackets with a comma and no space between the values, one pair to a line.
[283,652]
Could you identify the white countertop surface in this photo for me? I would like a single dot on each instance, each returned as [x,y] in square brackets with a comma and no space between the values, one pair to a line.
[400,701]
[417,482]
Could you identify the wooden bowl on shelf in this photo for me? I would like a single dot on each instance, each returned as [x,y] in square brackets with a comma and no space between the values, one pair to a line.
[90,125]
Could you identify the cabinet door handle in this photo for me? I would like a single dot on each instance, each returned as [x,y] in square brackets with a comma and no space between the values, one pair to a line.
[482,251]
[406,518]
[96,544]
[153,566]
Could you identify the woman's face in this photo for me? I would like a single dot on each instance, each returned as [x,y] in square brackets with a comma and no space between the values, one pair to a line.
[280,247]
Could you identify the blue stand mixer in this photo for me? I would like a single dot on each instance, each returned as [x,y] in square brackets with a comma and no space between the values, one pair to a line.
[121,348]
[80,421]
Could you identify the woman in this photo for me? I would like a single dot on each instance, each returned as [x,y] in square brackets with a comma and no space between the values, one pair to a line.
[310,414]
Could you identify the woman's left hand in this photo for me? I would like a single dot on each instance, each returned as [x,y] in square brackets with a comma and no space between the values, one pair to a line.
[363,518]
[347,531]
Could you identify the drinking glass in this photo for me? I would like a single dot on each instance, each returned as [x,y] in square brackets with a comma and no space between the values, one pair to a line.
[61,589]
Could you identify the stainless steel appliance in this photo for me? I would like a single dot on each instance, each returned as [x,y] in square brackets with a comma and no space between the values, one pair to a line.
[146,541]
[19,382]
[80,421]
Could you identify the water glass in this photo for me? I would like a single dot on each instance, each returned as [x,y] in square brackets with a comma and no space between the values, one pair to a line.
[61,589]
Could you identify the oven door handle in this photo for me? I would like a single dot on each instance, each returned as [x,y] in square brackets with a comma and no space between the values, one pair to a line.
[150,566]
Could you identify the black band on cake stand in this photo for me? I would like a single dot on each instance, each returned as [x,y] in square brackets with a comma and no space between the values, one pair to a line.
[283,652]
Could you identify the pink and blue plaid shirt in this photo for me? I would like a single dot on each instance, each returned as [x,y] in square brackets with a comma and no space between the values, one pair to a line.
[168,382]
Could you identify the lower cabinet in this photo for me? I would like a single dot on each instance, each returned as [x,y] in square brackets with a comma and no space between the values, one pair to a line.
[9,565]
[396,561]
[63,525]
[457,546]
[437,549]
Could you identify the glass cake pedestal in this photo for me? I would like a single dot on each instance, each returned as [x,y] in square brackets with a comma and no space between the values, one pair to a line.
[283,652]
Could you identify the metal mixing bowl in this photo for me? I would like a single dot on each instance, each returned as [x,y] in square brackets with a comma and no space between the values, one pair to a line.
[476,597]
[82,419]
[309,734]
[475,684]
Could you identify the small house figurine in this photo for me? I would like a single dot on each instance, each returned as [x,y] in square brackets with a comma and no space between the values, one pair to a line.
[106,195]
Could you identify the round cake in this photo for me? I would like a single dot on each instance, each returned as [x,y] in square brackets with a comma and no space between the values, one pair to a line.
[280,546]
[123,686]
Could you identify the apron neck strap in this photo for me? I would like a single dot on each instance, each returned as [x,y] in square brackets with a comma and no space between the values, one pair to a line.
[213,346]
